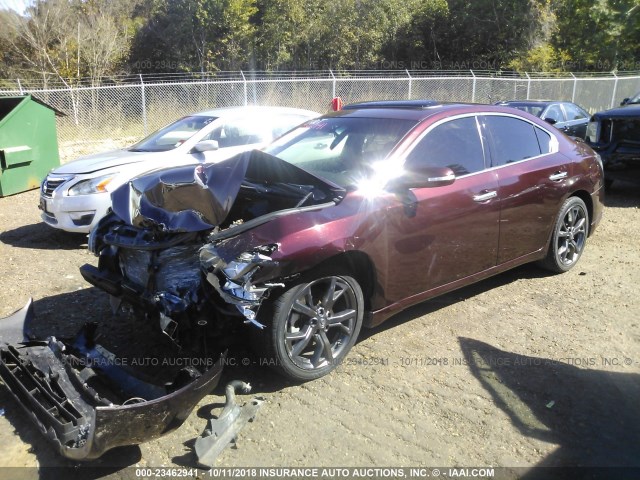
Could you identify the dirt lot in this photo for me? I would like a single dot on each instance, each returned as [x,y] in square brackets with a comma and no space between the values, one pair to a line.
[520,370]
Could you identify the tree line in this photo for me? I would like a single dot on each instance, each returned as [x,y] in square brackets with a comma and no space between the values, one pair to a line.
[67,40]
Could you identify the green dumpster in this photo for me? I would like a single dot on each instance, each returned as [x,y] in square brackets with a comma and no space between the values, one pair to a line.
[28,143]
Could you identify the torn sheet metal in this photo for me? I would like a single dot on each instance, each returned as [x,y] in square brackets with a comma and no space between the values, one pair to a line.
[181,200]
[83,400]
[224,430]
[236,286]
[171,200]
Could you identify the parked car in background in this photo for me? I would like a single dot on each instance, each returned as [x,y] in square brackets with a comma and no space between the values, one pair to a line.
[565,116]
[76,195]
[615,135]
[343,222]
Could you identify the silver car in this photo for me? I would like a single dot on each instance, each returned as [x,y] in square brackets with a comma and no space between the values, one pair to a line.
[75,196]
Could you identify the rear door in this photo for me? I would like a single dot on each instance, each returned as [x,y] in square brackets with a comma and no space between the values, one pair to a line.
[532,179]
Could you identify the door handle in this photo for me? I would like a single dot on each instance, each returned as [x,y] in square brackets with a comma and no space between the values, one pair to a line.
[483,197]
[558,176]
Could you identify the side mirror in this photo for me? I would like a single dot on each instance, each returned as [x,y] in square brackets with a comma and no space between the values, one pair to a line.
[624,102]
[419,176]
[206,146]
[551,121]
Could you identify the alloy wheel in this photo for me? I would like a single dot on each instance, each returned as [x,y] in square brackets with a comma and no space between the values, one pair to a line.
[572,235]
[321,322]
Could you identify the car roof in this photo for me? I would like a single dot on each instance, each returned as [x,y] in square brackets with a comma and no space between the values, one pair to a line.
[243,110]
[392,104]
[418,110]
[530,102]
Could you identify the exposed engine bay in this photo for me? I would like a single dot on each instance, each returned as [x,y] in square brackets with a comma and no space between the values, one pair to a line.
[159,249]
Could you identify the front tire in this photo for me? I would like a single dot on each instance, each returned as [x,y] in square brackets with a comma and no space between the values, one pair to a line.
[313,325]
[569,236]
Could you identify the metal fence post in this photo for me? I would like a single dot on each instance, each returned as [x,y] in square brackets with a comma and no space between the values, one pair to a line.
[144,106]
[615,90]
[74,104]
[244,83]
[575,84]
[20,87]
[410,86]
[333,92]
[473,90]
[528,85]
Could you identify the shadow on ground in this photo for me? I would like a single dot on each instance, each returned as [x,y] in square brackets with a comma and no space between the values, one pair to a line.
[622,194]
[592,414]
[42,236]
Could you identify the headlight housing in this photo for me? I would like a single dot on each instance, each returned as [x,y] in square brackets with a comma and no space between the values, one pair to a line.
[92,185]
[593,131]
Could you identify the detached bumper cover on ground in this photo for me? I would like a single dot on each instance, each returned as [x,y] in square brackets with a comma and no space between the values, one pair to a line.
[69,389]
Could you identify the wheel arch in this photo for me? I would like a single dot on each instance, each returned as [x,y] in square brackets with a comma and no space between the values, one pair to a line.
[361,267]
[588,201]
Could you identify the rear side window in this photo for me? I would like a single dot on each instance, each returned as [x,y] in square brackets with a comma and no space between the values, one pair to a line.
[512,139]
[455,144]
[544,140]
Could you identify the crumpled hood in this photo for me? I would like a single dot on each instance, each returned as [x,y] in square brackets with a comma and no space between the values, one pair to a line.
[199,197]
[101,161]
[627,111]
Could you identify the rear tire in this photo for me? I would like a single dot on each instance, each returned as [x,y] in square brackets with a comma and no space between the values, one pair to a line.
[312,325]
[569,236]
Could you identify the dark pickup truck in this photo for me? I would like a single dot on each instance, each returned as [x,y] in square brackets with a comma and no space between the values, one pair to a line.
[615,135]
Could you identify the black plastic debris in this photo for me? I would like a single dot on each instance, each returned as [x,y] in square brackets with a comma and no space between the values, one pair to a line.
[82,399]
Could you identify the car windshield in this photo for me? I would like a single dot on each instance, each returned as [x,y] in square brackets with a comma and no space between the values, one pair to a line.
[635,98]
[173,135]
[342,150]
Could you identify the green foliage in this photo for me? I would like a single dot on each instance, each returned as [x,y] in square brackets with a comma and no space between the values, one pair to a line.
[195,35]
[96,38]
[541,58]
[599,34]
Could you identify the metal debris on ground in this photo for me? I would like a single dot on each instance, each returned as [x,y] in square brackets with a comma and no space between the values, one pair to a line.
[224,430]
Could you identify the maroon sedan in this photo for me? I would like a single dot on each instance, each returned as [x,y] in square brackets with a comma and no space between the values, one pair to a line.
[344,222]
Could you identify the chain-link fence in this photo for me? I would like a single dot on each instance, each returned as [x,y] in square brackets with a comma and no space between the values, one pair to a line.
[124,109]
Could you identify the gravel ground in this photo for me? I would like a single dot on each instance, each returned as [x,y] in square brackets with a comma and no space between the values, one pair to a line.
[524,369]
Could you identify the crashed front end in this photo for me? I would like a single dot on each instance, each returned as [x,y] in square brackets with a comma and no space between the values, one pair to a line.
[164,251]
[164,259]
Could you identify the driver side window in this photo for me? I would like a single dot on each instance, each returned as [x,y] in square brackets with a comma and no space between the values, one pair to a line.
[455,144]
[555,113]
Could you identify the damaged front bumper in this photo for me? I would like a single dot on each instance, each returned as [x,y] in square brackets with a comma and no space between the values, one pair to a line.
[82,399]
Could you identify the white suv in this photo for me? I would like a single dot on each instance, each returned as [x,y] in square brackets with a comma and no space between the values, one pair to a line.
[75,196]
